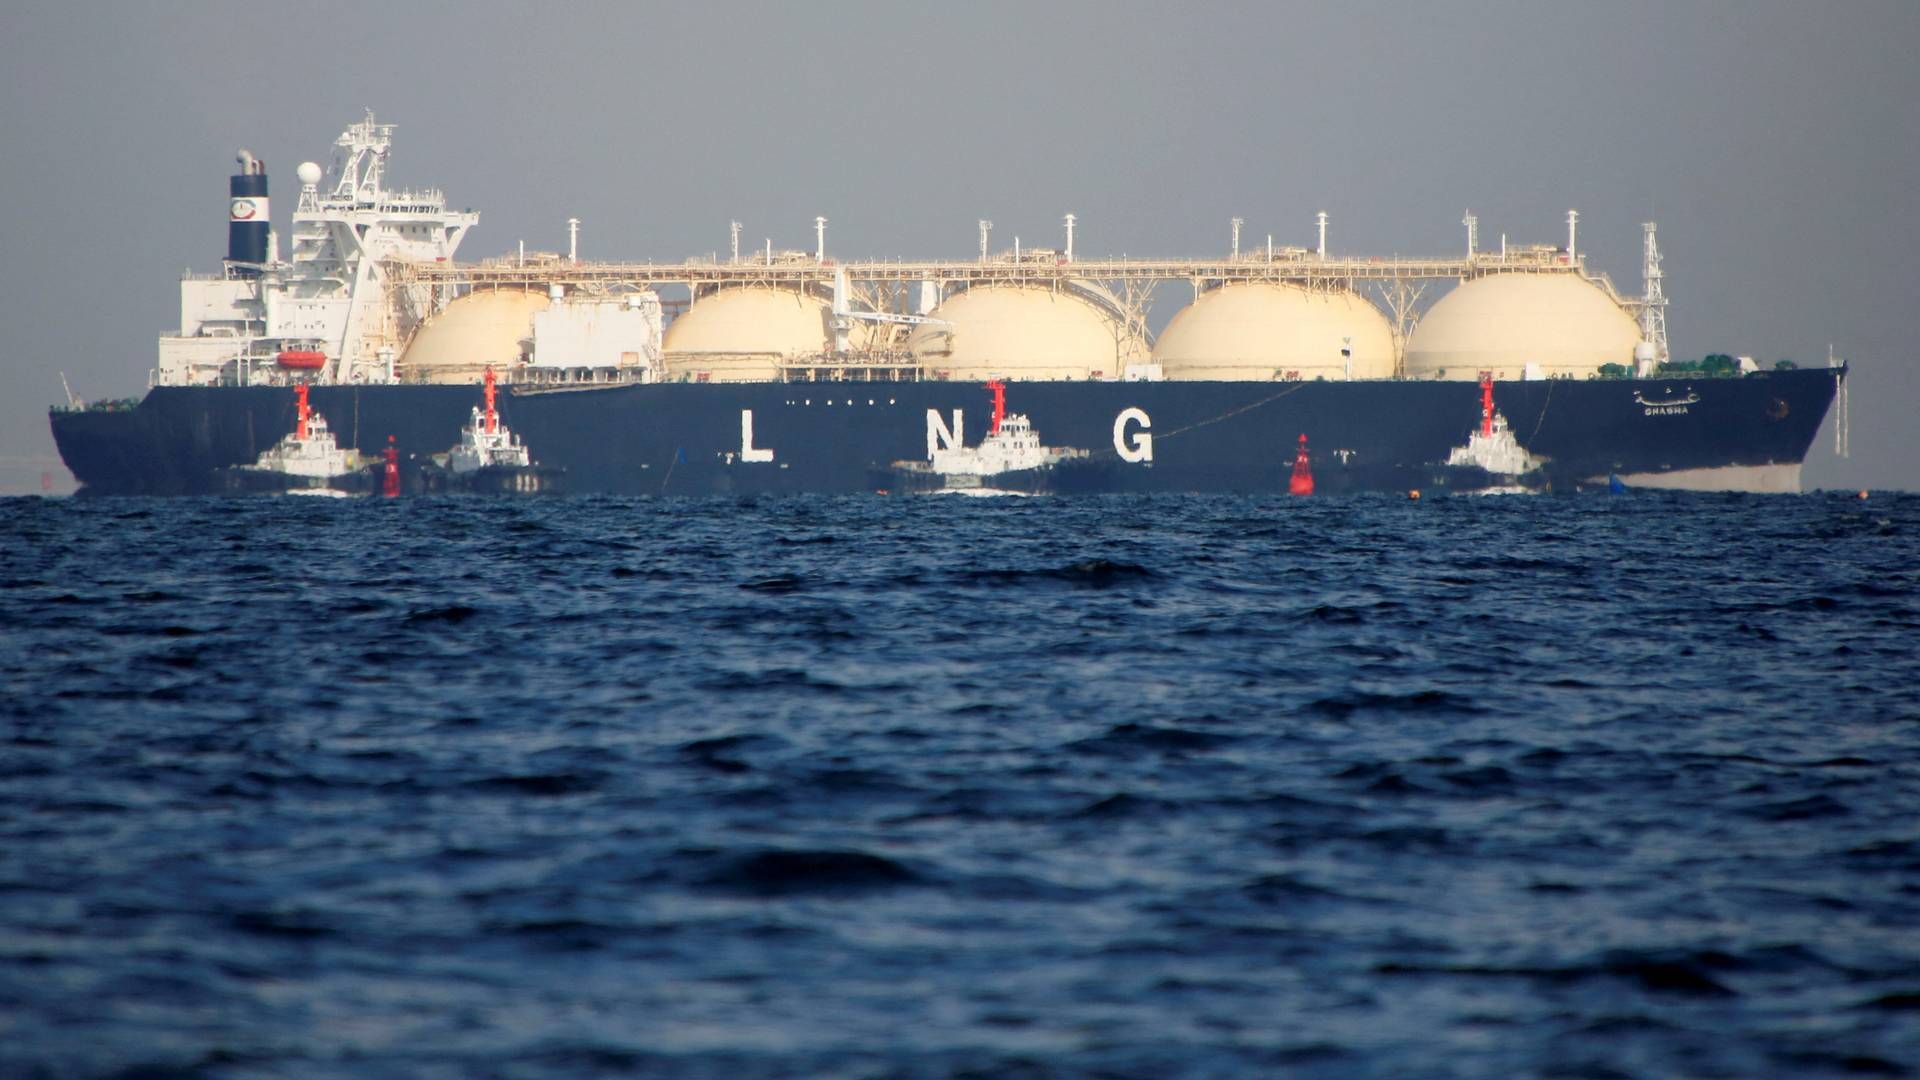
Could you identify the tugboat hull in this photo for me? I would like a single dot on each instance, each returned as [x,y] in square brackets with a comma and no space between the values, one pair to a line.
[1081,476]
[245,480]
[494,480]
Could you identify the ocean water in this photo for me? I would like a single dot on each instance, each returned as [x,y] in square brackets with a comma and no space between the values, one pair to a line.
[863,787]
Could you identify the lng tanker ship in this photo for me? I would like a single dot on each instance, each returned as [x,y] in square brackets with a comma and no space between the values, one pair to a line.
[789,371]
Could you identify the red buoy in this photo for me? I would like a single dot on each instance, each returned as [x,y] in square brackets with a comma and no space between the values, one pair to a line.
[1302,482]
[390,484]
[999,404]
[1486,403]
[492,417]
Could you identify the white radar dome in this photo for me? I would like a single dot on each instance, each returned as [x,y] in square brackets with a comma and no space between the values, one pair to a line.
[308,173]
[479,330]
[1559,323]
[1258,331]
[1025,332]
[742,334]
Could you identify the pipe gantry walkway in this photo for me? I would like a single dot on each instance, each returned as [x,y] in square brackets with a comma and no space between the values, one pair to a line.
[1291,265]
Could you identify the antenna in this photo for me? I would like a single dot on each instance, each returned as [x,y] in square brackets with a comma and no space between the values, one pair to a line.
[985,228]
[1573,231]
[819,239]
[733,227]
[1070,220]
[365,144]
[1237,222]
[1473,233]
[573,239]
[1323,234]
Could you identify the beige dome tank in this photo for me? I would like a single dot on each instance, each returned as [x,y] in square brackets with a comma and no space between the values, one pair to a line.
[1258,331]
[477,331]
[1025,332]
[1504,322]
[741,334]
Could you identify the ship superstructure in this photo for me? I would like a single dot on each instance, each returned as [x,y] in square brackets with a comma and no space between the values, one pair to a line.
[264,320]
[371,295]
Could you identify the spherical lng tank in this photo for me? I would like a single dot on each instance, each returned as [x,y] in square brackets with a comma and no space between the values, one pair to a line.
[1032,332]
[1558,323]
[484,329]
[1257,331]
[742,334]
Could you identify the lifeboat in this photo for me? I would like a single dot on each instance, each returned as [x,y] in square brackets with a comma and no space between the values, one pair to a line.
[303,359]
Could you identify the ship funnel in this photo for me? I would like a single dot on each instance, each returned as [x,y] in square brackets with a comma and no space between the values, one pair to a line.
[247,215]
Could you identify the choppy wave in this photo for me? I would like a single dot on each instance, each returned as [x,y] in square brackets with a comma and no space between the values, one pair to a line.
[867,787]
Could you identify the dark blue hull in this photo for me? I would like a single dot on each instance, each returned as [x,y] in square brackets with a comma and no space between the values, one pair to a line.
[681,438]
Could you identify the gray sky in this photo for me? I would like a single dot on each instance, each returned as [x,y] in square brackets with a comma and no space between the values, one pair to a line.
[1778,145]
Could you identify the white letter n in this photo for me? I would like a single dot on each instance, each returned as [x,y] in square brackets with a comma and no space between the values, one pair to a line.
[939,437]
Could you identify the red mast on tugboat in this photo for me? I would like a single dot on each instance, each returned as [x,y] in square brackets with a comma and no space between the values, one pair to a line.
[302,427]
[999,390]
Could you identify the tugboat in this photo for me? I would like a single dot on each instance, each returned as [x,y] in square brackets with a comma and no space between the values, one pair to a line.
[1009,461]
[306,462]
[1492,450]
[489,458]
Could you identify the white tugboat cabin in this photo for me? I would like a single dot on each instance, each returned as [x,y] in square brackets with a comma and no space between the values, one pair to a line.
[1012,446]
[1010,460]
[487,443]
[1492,446]
[309,452]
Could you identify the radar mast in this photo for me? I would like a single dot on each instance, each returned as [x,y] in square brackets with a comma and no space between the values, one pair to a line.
[1653,303]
